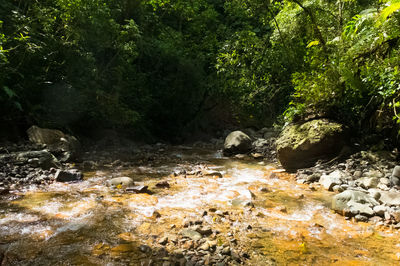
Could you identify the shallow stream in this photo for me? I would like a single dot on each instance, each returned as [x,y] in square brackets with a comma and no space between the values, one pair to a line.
[255,208]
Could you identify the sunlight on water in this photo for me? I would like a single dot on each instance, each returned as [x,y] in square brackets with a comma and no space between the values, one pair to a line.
[281,219]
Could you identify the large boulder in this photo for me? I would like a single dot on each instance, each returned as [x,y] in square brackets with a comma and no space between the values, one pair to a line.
[237,142]
[351,203]
[64,146]
[301,145]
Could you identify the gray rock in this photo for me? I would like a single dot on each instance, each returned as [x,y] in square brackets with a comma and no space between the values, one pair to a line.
[380,210]
[329,181]
[357,174]
[367,182]
[395,178]
[390,198]
[352,202]
[237,142]
[123,181]
[68,175]
[42,159]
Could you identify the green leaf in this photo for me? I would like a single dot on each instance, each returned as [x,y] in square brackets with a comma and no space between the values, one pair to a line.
[9,92]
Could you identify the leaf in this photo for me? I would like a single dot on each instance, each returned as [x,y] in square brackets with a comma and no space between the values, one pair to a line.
[386,12]
[9,92]
[313,43]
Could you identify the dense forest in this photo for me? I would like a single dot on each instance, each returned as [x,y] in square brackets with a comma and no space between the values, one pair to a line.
[163,69]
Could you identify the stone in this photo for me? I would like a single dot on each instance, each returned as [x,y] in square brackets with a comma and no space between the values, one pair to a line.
[301,145]
[137,189]
[163,241]
[42,159]
[380,210]
[194,235]
[123,181]
[237,142]
[351,202]
[313,178]
[163,184]
[205,246]
[66,147]
[367,182]
[395,178]
[390,198]
[68,175]
[205,231]
[329,181]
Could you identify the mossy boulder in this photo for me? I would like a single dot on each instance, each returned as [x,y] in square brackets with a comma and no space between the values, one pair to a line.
[301,145]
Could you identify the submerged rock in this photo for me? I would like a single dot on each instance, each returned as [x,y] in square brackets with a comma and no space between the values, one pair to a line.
[301,145]
[237,142]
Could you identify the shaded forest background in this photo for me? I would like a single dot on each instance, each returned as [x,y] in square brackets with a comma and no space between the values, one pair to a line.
[165,69]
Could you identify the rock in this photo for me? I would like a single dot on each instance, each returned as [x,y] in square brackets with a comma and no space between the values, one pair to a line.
[390,198]
[68,175]
[361,218]
[313,178]
[163,241]
[123,181]
[205,231]
[380,210]
[237,142]
[357,174]
[395,178]
[66,146]
[194,235]
[163,184]
[42,159]
[301,145]
[205,246]
[367,182]
[352,202]
[329,181]
[138,189]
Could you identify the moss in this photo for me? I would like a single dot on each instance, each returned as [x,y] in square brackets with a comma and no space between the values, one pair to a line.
[309,132]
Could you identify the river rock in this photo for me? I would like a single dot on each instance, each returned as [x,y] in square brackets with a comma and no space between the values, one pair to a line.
[367,182]
[237,142]
[390,198]
[68,175]
[301,145]
[66,147]
[395,178]
[43,159]
[194,235]
[123,181]
[352,202]
[329,181]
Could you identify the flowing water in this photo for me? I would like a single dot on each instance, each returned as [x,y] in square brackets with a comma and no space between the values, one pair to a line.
[268,215]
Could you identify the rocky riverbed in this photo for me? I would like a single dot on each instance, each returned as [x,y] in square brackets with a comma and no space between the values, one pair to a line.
[185,205]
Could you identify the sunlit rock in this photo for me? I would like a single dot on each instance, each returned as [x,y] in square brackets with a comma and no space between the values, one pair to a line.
[123,181]
[237,142]
[301,145]
[351,203]
[65,147]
